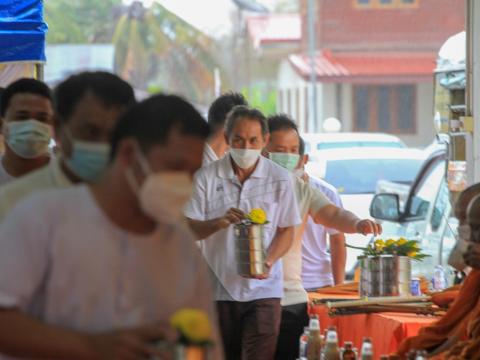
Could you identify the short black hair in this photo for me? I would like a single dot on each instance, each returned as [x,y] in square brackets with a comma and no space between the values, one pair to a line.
[150,122]
[244,112]
[23,86]
[217,114]
[110,89]
[279,122]
[301,148]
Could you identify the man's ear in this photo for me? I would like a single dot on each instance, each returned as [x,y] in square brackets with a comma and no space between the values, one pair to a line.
[227,140]
[306,158]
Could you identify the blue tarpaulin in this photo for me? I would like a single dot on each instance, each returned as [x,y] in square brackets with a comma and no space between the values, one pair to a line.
[22,30]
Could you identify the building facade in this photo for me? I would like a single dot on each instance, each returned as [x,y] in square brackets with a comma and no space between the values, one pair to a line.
[374,65]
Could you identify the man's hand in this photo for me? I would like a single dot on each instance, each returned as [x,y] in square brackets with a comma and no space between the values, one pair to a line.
[233,216]
[472,256]
[367,226]
[268,267]
[132,344]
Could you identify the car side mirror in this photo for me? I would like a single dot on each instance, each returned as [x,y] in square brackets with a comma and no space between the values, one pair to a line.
[385,207]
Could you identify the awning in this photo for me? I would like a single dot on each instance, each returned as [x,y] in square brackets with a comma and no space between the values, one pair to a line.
[22,31]
[372,67]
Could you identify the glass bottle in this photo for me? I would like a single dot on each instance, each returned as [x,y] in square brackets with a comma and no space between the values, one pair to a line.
[367,349]
[348,353]
[314,343]
[331,351]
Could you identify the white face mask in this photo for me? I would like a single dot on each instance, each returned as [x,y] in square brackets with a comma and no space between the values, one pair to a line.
[162,195]
[28,139]
[245,158]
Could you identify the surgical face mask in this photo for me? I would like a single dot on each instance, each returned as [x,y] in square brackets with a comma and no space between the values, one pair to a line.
[285,160]
[162,195]
[28,139]
[88,159]
[245,158]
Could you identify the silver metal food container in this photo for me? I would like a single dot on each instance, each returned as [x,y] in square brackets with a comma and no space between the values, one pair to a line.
[250,249]
[385,275]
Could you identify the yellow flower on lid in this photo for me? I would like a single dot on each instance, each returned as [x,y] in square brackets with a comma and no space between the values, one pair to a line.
[401,241]
[390,242]
[257,216]
[379,244]
[412,254]
[193,324]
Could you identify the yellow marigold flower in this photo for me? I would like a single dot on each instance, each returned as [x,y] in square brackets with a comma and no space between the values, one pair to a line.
[257,216]
[412,254]
[379,244]
[390,242]
[401,241]
[193,324]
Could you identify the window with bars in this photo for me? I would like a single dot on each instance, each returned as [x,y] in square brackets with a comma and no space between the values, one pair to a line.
[385,108]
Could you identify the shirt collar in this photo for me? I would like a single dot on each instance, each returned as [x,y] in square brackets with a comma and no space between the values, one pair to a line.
[225,169]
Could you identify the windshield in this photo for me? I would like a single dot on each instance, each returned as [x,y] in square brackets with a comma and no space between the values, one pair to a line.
[349,144]
[360,176]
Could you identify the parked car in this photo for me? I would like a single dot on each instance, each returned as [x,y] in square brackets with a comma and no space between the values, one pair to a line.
[426,215]
[324,141]
[355,173]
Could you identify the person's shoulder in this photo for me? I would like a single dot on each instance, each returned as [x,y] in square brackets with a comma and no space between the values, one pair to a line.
[323,186]
[34,180]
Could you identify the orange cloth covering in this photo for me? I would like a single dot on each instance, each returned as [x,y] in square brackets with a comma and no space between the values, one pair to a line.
[387,330]
[461,319]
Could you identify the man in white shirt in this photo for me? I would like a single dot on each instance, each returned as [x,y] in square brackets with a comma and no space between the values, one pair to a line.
[96,272]
[26,114]
[284,149]
[249,309]
[88,105]
[319,267]
[217,146]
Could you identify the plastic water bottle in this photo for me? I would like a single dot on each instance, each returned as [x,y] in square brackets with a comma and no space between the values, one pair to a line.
[304,342]
[439,279]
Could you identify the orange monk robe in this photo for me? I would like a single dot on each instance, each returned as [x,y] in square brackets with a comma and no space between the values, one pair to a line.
[458,322]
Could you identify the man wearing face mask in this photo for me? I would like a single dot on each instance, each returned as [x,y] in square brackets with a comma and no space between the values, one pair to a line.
[102,267]
[225,190]
[26,112]
[284,148]
[87,106]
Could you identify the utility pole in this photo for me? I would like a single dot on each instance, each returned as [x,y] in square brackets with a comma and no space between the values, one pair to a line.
[312,113]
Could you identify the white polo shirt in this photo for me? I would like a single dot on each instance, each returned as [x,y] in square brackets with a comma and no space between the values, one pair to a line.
[209,155]
[63,262]
[217,189]
[310,201]
[316,262]
[48,177]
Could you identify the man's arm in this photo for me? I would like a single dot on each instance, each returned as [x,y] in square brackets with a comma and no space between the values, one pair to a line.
[203,229]
[338,255]
[22,336]
[345,221]
[279,246]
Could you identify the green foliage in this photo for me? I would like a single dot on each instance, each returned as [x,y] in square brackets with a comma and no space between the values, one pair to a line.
[80,21]
[264,100]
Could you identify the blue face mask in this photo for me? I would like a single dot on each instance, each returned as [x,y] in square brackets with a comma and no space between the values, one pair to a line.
[88,159]
[28,139]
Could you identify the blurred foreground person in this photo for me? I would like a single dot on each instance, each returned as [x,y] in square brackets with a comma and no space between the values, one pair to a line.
[225,191]
[457,334]
[217,146]
[96,271]
[87,107]
[26,111]
[283,148]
